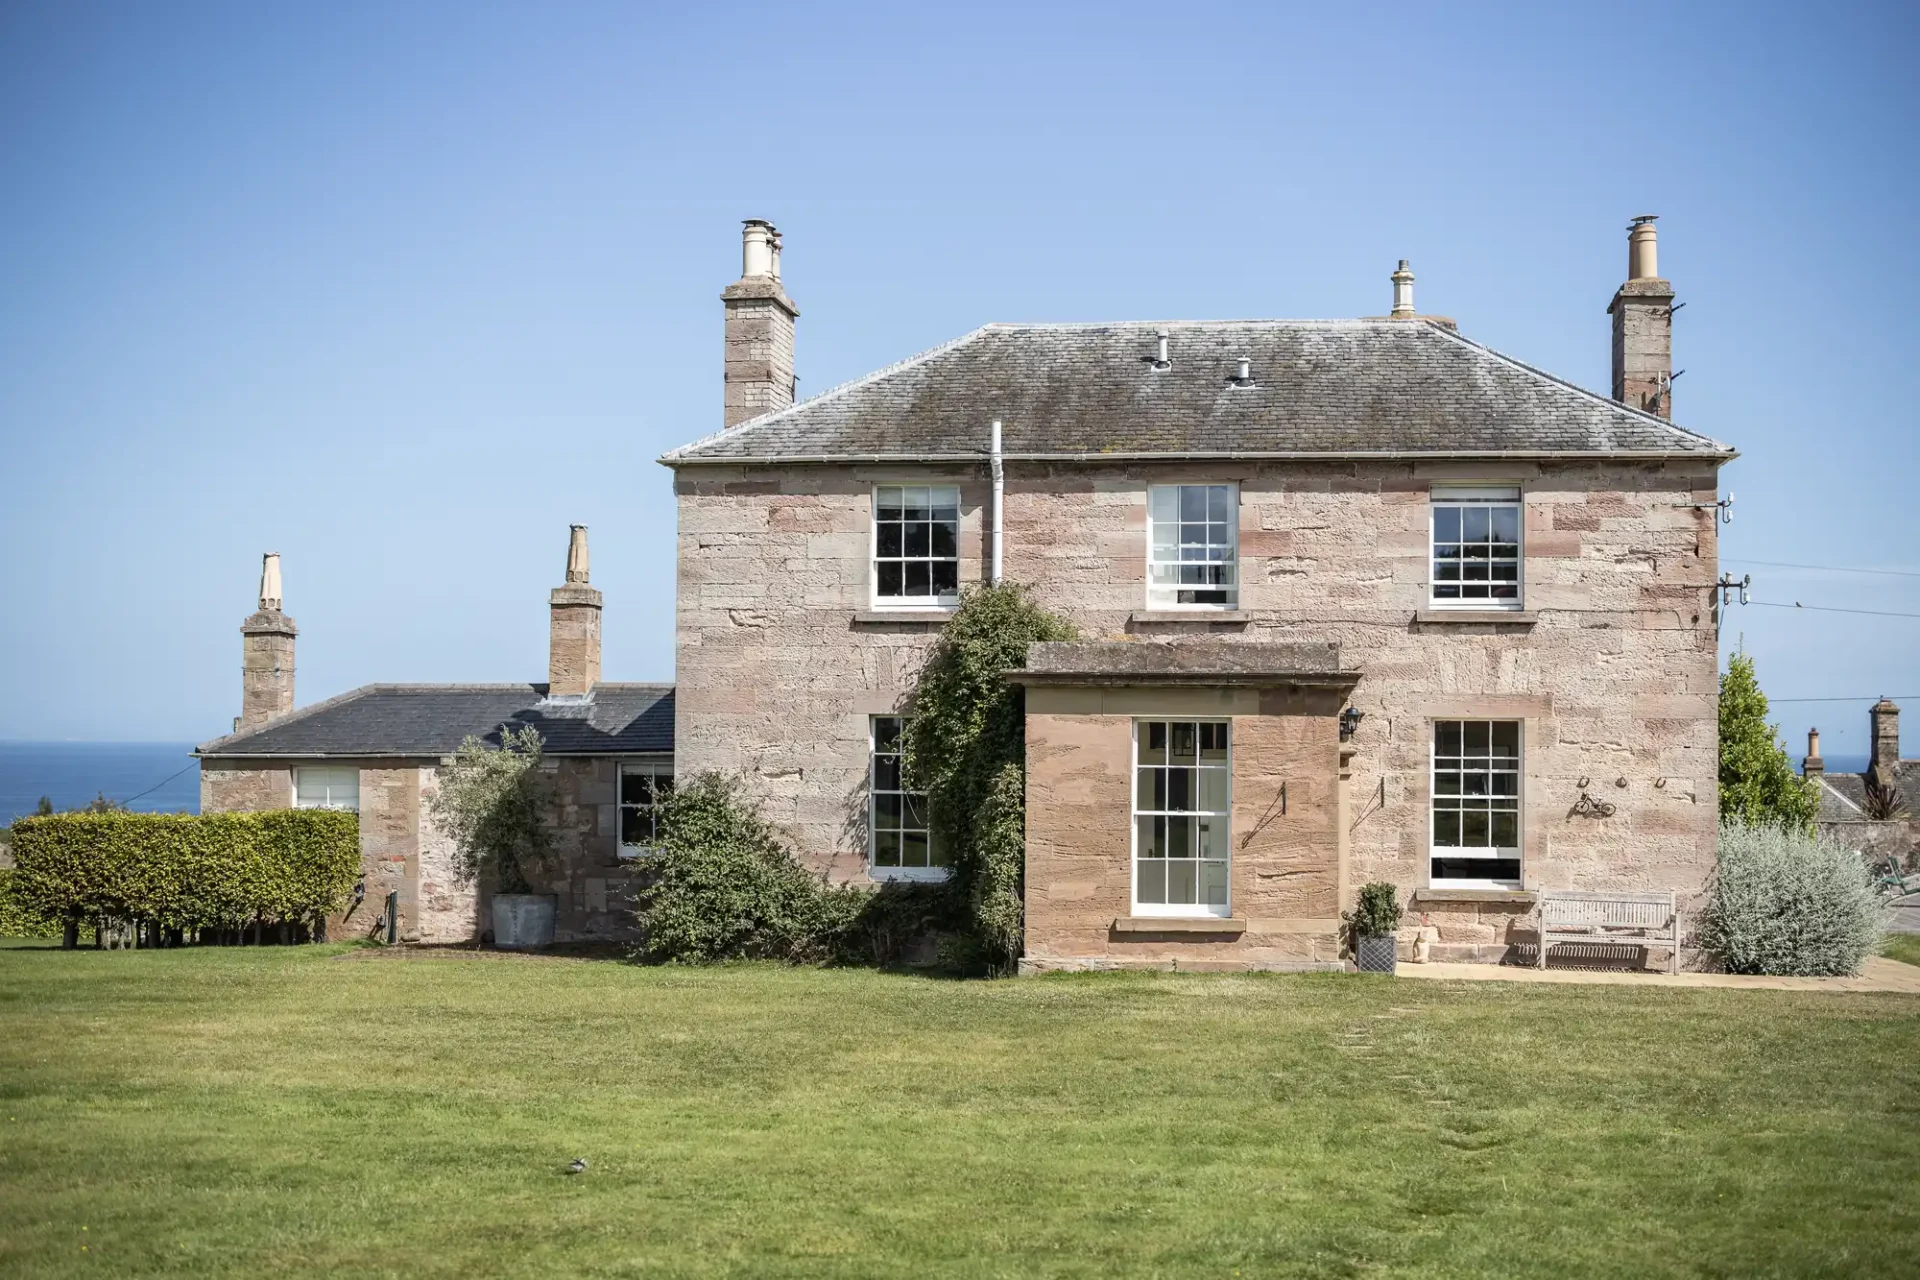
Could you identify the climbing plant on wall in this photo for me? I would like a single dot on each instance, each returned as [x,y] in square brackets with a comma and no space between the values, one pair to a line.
[965,746]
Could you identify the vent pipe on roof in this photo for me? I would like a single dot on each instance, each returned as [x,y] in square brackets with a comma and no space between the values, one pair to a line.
[1402,292]
[1161,359]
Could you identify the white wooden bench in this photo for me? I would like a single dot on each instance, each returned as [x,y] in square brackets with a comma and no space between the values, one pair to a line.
[1610,919]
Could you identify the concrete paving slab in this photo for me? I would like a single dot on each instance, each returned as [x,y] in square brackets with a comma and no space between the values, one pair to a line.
[1878,974]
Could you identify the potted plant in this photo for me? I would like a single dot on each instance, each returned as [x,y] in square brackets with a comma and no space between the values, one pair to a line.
[1371,925]
[493,803]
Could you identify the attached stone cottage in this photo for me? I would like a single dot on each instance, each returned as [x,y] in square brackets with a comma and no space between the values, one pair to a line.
[1847,800]
[1361,599]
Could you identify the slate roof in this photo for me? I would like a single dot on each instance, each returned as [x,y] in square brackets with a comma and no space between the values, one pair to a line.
[1843,796]
[1322,388]
[433,719]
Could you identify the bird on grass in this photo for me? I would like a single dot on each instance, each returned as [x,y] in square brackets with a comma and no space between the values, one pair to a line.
[578,1166]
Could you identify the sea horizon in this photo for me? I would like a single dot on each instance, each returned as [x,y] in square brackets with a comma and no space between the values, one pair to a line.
[147,777]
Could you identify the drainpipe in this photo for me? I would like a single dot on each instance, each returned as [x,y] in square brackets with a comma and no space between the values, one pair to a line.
[999,497]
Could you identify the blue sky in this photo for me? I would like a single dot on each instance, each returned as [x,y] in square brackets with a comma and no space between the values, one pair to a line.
[402,290]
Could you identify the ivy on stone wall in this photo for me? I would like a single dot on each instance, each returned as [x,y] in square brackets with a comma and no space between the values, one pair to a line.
[184,872]
[965,747]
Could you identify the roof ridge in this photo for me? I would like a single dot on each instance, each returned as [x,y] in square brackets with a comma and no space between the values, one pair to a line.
[301,713]
[733,432]
[1651,418]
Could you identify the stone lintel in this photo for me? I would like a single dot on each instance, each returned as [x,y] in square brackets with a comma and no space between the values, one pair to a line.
[912,617]
[1201,662]
[575,595]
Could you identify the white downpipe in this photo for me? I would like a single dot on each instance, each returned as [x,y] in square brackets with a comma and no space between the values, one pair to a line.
[999,497]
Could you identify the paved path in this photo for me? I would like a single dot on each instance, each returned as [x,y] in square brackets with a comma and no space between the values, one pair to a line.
[1878,974]
[1904,915]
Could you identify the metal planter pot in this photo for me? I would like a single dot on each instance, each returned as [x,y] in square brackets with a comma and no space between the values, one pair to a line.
[1374,954]
[523,921]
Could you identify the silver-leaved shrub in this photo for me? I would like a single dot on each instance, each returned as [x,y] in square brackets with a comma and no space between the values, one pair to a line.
[1786,902]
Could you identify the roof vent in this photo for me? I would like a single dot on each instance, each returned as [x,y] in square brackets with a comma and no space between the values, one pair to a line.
[1161,360]
[1244,377]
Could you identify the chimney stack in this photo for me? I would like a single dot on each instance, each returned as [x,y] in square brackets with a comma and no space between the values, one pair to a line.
[1402,293]
[1885,720]
[1813,766]
[1642,311]
[573,651]
[760,316]
[266,653]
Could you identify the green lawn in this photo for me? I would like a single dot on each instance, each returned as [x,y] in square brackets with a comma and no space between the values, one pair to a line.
[314,1111]
[1902,946]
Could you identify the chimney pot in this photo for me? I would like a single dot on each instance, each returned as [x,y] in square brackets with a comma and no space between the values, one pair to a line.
[1643,248]
[1813,766]
[1402,292]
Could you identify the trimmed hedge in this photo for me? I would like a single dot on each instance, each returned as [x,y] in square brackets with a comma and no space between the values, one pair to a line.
[17,921]
[181,871]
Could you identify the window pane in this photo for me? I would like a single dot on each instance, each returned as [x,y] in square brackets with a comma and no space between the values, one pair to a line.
[1164,503]
[913,848]
[1213,883]
[915,502]
[1185,746]
[916,579]
[1182,882]
[1213,791]
[890,577]
[887,540]
[1181,833]
[1506,524]
[1220,504]
[1506,830]
[1150,789]
[886,848]
[917,540]
[886,773]
[1475,524]
[1446,524]
[1213,837]
[1506,738]
[1475,734]
[1193,502]
[886,811]
[1180,790]
[1446,738]
[636,788]
[1152,886]
[946,540]
[1473,829]
[946,577]
[886,503]
[1153,837]
[1446,828]
[634,827]
[1213,742]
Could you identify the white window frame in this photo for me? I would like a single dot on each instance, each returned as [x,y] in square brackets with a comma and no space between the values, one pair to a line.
[1167,597]
[1460,496]
[1180,910]
[929,873]
[330,780]
[656,769]
[1490,852]
[934,599]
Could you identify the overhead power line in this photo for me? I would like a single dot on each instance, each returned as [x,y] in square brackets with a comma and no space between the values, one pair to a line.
[1827,608]
[1825,568]
[1898,697]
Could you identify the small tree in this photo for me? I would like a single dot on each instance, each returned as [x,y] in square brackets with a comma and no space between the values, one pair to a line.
[966,746]
[1783,901]
[492,803]
[1758,786]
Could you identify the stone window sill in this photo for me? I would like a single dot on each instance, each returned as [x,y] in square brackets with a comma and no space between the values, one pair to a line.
[1475,617]
[1506,897]
[912,617]
[1180,924]
[1155,617]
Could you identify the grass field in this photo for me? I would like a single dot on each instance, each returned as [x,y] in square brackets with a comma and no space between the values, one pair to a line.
[293,1111]
[1902,946]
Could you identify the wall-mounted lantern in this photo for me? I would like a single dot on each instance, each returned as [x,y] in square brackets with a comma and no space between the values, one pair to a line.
[1349,721]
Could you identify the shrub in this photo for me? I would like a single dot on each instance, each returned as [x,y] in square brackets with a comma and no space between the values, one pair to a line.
[1758,786]
[492,803]
[1784,902]
[966,747]
[17,920]
[186,871]
[1377,914]
[724,886]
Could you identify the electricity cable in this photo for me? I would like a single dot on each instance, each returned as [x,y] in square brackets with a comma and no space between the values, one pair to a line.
[1825,568]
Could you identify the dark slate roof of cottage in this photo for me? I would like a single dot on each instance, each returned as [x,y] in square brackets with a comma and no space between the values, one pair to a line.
[1322,388]
[433,719]
[1843,796]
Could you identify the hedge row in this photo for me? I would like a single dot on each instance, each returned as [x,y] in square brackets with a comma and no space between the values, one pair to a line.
[17,921]
[186,871]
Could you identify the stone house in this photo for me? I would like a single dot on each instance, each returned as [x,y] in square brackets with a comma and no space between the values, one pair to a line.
[1359,599]
[1846,799]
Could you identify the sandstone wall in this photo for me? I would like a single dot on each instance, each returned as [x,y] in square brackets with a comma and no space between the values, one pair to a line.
[1613,669]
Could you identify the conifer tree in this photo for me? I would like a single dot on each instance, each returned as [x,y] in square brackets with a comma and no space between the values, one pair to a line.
[1758,786]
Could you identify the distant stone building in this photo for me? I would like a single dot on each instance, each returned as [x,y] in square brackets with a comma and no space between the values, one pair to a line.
[1853,806]
[1361,599]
